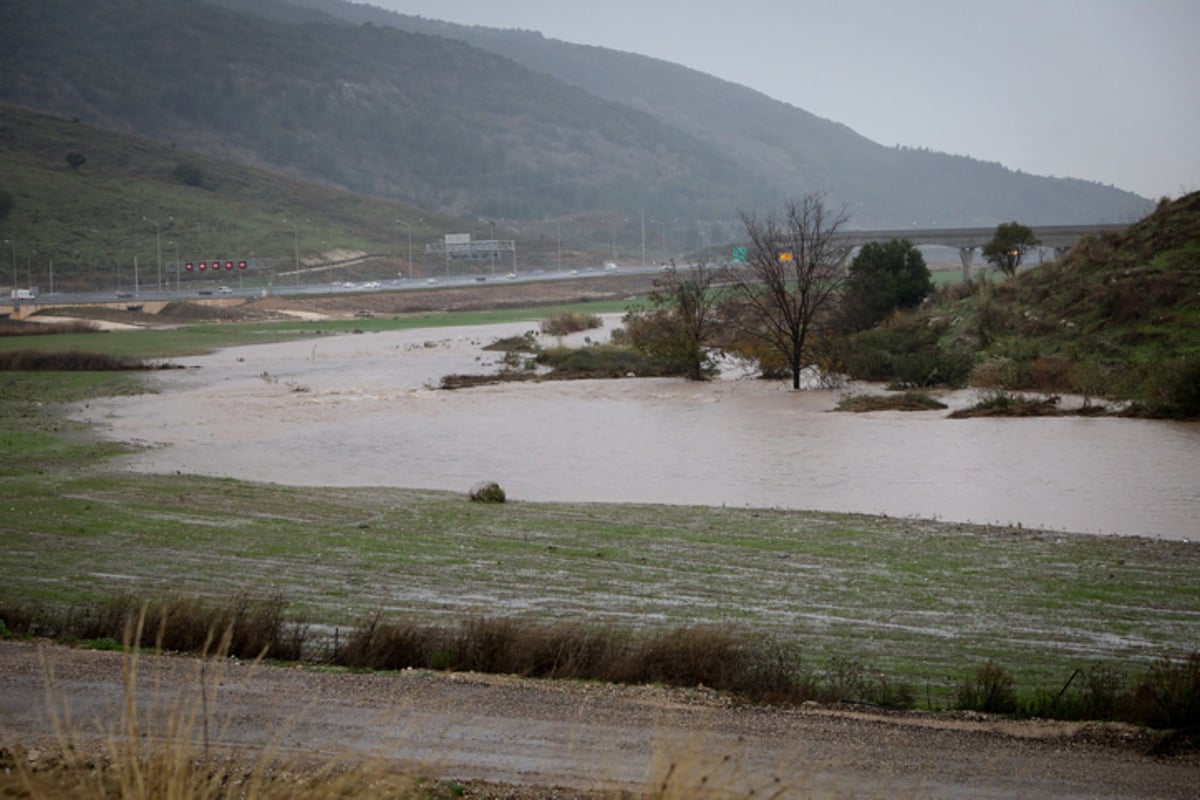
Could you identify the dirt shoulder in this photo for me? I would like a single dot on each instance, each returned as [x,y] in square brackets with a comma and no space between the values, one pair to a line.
[510,737]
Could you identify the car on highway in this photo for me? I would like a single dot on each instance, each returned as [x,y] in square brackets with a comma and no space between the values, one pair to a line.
[224,290]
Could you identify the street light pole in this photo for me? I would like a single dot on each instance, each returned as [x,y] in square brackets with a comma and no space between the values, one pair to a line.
[492,243]
[14,260]
[409,224]
[177,270]
[296,244]
[643,237]
[157,248]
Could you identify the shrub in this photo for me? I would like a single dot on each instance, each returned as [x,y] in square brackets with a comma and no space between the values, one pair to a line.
[990,689]
[602,361]
[72,360]
[906,401]
[999,403]
[1172,390]
[995,373]
[570,322]
[487,492]
[1168,695]
[907,355]
[245,626]
[1051,374]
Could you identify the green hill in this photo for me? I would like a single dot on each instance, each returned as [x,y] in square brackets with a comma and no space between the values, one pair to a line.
[421,119]
[789,150]
[89,224]
[1118,316]
[492,124]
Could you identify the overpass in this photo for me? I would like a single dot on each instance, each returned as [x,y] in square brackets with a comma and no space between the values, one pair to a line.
[968,240]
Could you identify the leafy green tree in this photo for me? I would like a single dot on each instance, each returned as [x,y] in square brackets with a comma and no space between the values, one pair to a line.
[884,276]
[76,160]
[6,203]
[1009,245]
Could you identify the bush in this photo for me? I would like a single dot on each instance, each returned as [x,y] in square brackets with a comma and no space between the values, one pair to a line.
[1172,390]
[1168,695]
[487,492]
[996,373]
[1094,693]
[1052,374]
[999,403]
[990,689]
[906,355]
[570,322]
[906,401]
[72,360]
[602,361]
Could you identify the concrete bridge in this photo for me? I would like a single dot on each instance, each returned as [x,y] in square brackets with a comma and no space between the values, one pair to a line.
[968,240]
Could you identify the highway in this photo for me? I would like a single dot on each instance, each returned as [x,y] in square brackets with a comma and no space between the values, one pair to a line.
[199,289]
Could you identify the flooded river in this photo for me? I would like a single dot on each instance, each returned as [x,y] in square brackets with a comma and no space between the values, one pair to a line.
[359,410]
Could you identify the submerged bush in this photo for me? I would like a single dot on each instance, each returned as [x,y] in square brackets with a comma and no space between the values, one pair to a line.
[72,360]
[601,361]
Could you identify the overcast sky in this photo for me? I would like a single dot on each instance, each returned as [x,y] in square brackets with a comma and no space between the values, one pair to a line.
[1104,90]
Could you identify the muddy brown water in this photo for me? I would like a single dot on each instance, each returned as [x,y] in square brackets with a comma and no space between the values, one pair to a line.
[360,410]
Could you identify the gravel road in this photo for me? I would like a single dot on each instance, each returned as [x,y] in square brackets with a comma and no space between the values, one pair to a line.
[585,738]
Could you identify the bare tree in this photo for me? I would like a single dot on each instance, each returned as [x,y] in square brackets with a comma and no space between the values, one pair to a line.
[679,327]
[795,270]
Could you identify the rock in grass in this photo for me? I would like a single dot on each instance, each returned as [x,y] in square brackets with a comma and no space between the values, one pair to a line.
[487,492]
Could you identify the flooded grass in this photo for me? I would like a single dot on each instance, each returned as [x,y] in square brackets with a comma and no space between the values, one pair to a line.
[918,599]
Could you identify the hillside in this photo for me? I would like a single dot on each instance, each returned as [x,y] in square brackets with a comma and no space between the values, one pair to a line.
[88,225]
[1119,316]
[791,150]
[421,119]
[492,124]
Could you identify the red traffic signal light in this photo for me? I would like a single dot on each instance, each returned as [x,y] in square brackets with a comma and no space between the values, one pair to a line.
[228,265]
[189,266]
[203,266]
[241,265]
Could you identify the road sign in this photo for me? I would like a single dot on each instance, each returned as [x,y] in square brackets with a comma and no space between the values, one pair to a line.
[739,255]
[785,256]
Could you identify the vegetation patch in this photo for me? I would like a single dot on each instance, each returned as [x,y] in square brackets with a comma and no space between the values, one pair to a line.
[601,361]
[10,327]
[570,322]
[905,401]
[70,361]
[1001,403]
[467,381]
[1118,317]
[526,343]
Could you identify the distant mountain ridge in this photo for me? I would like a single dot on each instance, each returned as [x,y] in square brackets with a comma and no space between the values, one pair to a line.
[476,121]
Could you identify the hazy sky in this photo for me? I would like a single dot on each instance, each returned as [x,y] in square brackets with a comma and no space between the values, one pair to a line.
[1105,90]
